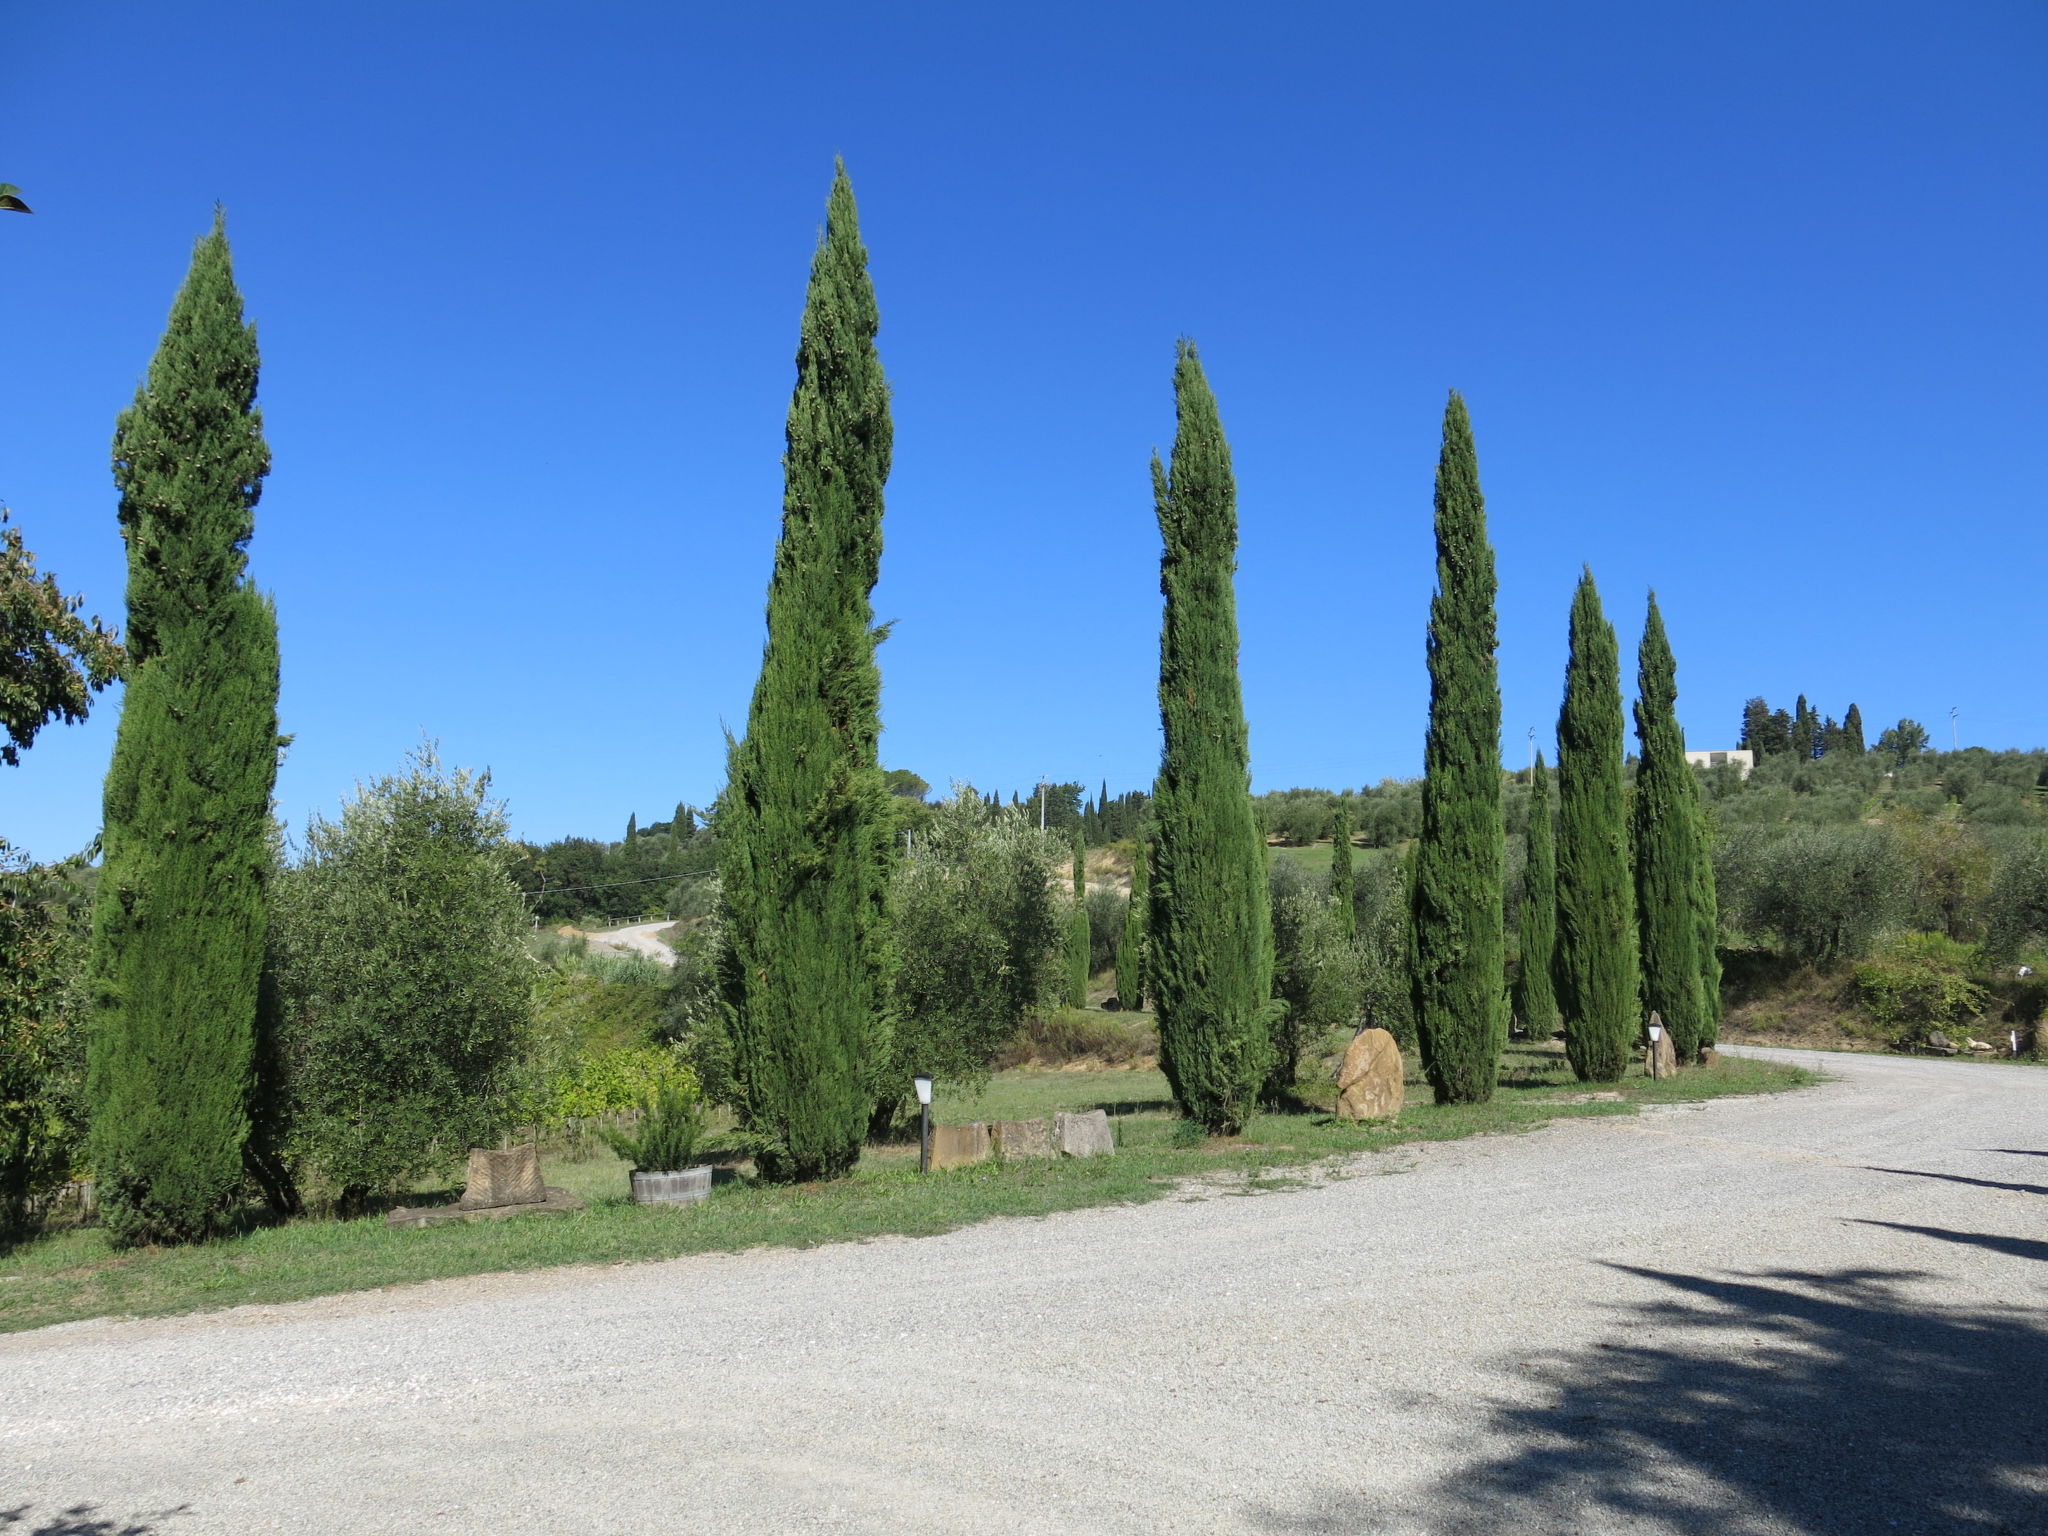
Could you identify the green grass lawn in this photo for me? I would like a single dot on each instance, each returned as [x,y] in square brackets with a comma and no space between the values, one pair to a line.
[73,1274]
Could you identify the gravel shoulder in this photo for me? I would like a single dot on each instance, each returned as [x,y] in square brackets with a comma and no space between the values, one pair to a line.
[1818,1311]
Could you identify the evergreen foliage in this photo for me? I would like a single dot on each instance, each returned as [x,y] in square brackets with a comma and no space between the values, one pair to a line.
[1535,996]
[1459,943]
[1343,888]
[1668,848]
[804,824]
[1211,950]
[1804,728]
[180,911]
[1852,730]
[1130,950]
[1079,941]
[1597,983]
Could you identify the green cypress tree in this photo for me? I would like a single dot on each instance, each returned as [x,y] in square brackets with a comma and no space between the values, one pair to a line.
[1460,942]
[1535,997]
[804,823]
[1666,816]
[179,916]
[1130,950]
[1079,940]
[632,825]
[1597,983]
[1852,731]
[1211,940]
[1706,919]
[1343,889]
[1803,726]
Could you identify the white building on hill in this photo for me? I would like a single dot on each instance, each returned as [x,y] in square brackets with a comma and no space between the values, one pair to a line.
[1741,755]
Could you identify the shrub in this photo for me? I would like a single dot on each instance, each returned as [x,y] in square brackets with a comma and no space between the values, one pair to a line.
[1920,983]
[1315,970]
[1069,1035]
[42,1046]
[671,1126]
[608,1083]
[401,985]
[980,930]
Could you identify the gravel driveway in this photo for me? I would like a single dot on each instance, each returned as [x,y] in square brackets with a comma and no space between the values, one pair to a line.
[1820,1311]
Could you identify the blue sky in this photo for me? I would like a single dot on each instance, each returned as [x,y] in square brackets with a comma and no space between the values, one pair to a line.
[1746,301]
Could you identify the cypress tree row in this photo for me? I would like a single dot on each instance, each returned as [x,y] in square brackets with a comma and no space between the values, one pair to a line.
[1130,949]
[805,846]
[1667,847]
[1535,997]
[1596,940]
[1211,940]
[1078,938]
[179,916]
[1343,889]
[1460,944]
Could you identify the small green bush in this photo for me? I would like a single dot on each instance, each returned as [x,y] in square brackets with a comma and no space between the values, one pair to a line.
[1919,983]
[608,1083]
[670,1129]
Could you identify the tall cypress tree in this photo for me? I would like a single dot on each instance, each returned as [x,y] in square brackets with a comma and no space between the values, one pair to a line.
[1460,943]
[804,824]
[1803,726]
[1211,941]
[1079,940]
[1852,731]
[1667,846]
[1535,996]
[1343,888]
[1706,921]
[1596,938]
[179,916]
[1130,949]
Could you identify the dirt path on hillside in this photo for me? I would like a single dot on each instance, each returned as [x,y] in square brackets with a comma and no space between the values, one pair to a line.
[1818,1311]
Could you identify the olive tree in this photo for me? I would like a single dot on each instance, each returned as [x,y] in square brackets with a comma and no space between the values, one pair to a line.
[400,987]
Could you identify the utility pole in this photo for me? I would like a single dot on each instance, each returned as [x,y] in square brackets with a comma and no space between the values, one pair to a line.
[1532,752]
[1955,742]
[1041,805]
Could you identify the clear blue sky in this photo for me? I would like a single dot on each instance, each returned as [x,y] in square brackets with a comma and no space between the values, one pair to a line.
[1746,300]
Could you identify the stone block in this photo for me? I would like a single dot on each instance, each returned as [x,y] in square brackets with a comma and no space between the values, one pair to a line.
[955,1146]
[1017,1139]
[1083,1135]
[1370,1083]
[510,1177]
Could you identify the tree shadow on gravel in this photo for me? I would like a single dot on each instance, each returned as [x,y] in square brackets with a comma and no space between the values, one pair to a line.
[1960,1178]
[80,1520]
[1781,1402]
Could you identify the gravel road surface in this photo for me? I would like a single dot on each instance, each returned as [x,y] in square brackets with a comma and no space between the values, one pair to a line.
[638,939]
[1820,1311]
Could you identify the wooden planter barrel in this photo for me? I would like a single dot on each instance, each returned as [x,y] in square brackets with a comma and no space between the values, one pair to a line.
[684,1187]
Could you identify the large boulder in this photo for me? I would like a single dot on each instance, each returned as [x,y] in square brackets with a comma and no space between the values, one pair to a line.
[1369,1083]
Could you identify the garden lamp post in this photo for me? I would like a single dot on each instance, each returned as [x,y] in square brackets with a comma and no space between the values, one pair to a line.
[923,1083]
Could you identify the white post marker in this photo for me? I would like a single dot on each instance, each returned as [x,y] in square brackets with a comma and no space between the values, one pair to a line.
[923,1084]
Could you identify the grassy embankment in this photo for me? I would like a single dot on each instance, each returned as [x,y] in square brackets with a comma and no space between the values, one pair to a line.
[73,1274]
